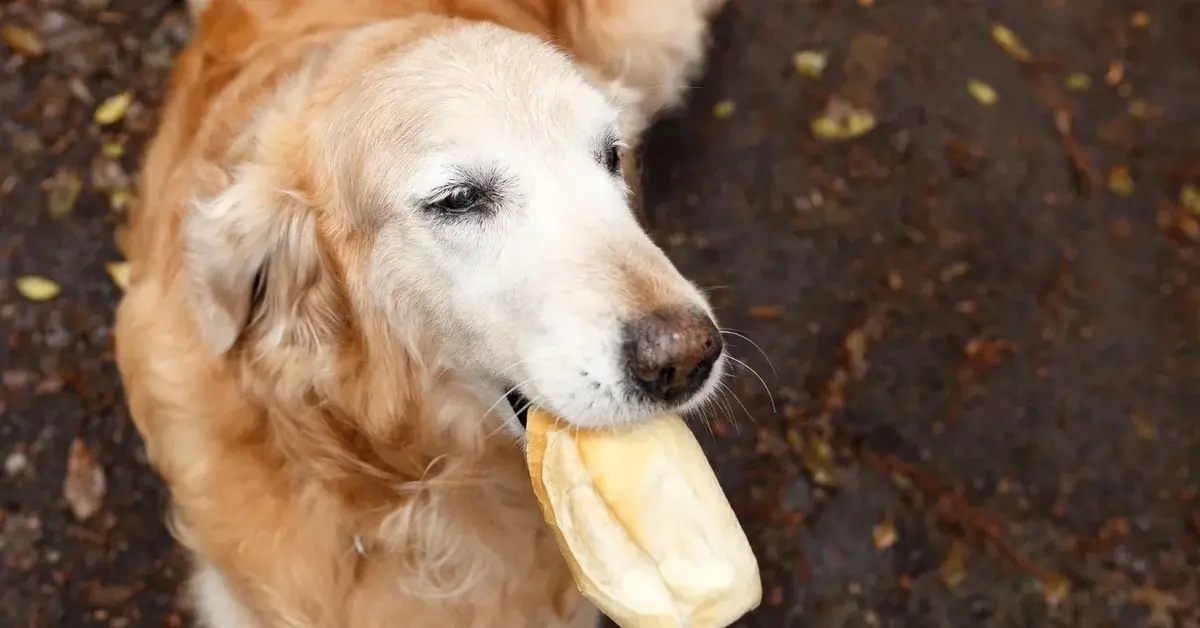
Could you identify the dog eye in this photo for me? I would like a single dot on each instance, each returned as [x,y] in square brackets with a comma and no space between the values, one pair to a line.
[612,159]
[459,201]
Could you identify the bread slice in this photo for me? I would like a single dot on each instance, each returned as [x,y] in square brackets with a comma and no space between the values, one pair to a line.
[643,523]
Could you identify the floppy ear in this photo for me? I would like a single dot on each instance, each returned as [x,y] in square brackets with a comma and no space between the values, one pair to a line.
[252,257]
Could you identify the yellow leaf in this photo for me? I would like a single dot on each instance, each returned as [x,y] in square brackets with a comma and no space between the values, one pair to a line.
[1055,588]
[119,198]
[37,288]
[112,110]
[842,121]
[724,109]
[1009,41]
[1189,197]
[113,150]
[1143,427]
[119,273]
[982,92]
[24,41]
[884,535]
[810,63]
[1120,182]
[1078,82]
[953,570]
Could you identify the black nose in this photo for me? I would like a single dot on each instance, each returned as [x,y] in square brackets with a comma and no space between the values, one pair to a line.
[670,353]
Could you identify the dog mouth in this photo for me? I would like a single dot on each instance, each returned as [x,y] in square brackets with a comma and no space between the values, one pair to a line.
[520,405]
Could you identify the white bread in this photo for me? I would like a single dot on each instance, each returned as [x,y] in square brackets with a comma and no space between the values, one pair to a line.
[646,529]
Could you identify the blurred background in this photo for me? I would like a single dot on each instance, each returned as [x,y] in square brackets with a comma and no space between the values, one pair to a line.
[964,236]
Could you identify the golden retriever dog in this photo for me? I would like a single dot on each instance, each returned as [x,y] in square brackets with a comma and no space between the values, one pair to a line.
[371,232]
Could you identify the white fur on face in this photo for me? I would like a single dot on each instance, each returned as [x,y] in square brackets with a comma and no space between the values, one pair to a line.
[532,288]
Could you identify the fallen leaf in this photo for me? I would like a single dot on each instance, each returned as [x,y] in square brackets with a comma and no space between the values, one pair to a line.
[1078,82]
[119,273]
[724,109]
[22,40]
[810,63]
[112,110]
[63,193]
[1139,109]
[1115,73]
[982,92]
[842,121]
[26,143]
[817,454]
[113,150]
[1156,599]
[37,288]
[1055,588]
[119,198]
[1120,182]
[1010,43]
[85,484]
[765,312]
[953,570]
[866,64]
[109,595]
[1189,197]
[855,345]
[884,535]
[1143,426]
[1139,20]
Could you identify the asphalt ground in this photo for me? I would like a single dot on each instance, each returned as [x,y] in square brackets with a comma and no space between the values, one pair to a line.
[975,397]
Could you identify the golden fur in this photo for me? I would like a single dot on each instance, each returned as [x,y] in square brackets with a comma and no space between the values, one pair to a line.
[324,466]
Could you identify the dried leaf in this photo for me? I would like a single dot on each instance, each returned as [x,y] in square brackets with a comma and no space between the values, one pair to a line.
[953,570]
[1143,426]
[63,193]
[1055,588]
[85,485]
[1115,73]
[1078,82]
[119,198]
[22,40]
[724,109]
[26,143]
[810,63]
[1189,197]
[113,150]
[1120,182]
[765,312]
[112,110]
[884,535]
[842,121]
[1156,599]
[119,273]
[1139,20]
[982,92]
[1011,44]
[37,288]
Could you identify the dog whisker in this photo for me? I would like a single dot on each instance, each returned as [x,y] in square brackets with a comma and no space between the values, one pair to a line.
[742,336]
[729,390]
[753,372]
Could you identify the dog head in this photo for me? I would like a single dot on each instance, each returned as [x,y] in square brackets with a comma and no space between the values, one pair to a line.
[465,189]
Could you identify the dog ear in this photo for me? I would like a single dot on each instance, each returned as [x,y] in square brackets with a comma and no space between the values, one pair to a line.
[252,258]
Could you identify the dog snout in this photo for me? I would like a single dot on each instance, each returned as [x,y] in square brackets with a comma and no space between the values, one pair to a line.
[670,353]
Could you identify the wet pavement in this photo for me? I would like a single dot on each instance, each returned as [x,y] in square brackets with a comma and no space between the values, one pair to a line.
[972,332]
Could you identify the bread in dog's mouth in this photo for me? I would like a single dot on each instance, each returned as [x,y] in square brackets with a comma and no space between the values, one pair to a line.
[520,405]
